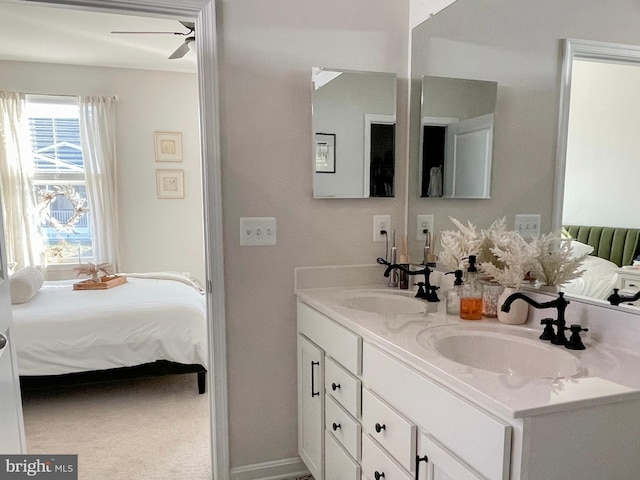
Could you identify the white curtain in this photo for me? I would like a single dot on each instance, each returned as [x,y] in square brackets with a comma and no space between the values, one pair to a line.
[24,243]
[97,134]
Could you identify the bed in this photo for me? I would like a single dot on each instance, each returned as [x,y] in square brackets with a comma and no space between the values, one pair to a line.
[612,249]
[153,324]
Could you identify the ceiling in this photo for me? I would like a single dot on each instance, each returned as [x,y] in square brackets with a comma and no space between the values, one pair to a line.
[59,35]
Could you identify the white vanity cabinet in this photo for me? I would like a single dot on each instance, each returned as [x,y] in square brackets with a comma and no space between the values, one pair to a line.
[329,396]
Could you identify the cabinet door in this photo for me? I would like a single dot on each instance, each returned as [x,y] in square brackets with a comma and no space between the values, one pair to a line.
[436,463]
[310,406]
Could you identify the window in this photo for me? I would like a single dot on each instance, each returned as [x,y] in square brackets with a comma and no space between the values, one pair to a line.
[59,178]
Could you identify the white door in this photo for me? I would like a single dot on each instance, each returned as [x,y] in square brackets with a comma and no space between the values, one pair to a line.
[467,165]
[11,426]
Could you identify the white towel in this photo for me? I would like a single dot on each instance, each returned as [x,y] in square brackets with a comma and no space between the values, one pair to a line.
[24,284]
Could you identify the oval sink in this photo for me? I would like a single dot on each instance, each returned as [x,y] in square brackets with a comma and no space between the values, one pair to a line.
[496,350]
[384,303]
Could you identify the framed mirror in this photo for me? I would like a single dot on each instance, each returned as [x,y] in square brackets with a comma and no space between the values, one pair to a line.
[456,137]
[353,122]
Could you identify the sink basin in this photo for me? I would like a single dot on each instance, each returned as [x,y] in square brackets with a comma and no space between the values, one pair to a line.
[497,349]
[384,303]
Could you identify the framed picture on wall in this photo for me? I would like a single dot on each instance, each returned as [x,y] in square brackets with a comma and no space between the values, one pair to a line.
[170,183]
[325,152]
[168,146]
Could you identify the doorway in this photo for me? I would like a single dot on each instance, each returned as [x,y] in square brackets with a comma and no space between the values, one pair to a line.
[204,12]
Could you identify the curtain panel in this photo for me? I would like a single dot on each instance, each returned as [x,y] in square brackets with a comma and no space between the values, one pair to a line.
[97,135]
[25,246]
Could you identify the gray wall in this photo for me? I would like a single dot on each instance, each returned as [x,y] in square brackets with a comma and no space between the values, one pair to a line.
[517,43]
[267,52]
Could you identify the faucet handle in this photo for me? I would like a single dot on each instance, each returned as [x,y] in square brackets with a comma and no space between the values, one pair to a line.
[547,333]
[421,293]
[575,342]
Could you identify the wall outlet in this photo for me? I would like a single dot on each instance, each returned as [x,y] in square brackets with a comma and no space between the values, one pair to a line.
[425,222]
[381,222]
[257,231]
[528,226]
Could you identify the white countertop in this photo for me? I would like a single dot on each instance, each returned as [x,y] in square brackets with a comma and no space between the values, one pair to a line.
[606,374]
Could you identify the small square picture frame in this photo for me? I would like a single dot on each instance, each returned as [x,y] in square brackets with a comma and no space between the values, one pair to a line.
[170,184]
[168,146]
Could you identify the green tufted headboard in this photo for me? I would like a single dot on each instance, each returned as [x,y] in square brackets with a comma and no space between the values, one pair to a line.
[618,245]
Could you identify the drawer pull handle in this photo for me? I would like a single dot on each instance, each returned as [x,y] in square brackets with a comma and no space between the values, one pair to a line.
[379,428]
[336,426]
[378,475]
[632,284]
[335,386]
[424,459]
[313,381]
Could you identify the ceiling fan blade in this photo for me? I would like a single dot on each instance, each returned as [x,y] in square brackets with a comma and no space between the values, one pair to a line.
[154,33]
[190,25]
[181,51]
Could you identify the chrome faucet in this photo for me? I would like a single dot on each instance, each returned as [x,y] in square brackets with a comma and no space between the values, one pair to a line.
[560,303]
[426,291]
[616,299]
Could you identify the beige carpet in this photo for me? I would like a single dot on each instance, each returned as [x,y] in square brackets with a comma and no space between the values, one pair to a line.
[142,429]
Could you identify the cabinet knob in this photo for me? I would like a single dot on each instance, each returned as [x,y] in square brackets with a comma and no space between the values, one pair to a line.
[335,426]
[335,386]
[378,475]
[379,428]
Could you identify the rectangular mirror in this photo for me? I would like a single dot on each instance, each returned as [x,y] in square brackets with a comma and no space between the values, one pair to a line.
[456,137]
[353,121]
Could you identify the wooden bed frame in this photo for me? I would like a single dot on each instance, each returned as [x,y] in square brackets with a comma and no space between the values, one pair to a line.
[618,245]
[160,367]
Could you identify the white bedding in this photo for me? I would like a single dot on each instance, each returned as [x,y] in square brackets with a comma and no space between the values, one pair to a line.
[62,330]
[598,280]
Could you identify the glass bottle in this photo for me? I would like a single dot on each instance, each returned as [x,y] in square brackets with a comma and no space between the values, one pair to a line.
[490,293]
[454,294]
[471,300]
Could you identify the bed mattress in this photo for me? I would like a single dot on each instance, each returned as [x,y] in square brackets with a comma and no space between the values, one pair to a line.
[62,330]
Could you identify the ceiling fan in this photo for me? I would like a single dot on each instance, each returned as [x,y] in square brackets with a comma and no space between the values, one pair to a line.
[182,50]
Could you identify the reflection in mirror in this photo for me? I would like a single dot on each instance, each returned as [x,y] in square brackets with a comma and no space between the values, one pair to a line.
[353,121]
[599,162]
[456,137]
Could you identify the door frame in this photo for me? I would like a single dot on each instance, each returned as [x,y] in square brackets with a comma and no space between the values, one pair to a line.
[204,12]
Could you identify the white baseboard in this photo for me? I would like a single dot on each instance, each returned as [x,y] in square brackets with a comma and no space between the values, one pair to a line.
[279,469]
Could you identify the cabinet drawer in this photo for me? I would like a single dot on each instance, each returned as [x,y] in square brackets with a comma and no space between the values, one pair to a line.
[343,386]
[338,464]
[390,429]
[343,426]
[337,342]
[483,441]
[631,284]
[378,465]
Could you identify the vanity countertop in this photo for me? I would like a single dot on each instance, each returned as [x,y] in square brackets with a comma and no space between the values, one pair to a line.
[605,374]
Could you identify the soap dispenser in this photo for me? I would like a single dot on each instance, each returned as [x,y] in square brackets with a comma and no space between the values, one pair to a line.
[471,298]
[454,294]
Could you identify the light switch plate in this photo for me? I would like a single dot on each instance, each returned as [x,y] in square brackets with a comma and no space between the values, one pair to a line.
[257,231]
[528,226]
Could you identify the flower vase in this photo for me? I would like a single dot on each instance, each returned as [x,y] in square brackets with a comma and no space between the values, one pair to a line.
[517,313]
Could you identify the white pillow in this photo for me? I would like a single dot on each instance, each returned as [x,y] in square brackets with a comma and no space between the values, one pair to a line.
[24,284]
[580,249]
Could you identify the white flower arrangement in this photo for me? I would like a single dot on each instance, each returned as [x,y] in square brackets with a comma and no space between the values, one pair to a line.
[507,258]
[458,245]
[556,263]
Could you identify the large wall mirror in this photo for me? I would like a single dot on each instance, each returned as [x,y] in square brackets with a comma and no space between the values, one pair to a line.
[456,137]
[579,167]
[353,121]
